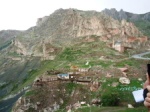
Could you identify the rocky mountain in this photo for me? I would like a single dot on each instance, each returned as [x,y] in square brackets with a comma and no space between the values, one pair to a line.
[65,26]
[71,23]
[66,38]
[120,15]
[142,21]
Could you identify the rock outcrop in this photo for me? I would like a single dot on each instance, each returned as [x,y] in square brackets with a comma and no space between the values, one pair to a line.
[70,23]
[20,48]
[142,21]
[120,15]
[65,26]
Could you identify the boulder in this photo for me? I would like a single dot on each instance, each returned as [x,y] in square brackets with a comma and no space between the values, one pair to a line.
[124,80]
[140,79]
[96,101]
[130,106]
[83,102]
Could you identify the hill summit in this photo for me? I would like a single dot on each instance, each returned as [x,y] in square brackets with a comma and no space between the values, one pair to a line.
[66,26]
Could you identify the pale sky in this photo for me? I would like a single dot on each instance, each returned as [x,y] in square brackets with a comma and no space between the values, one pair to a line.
[23,14]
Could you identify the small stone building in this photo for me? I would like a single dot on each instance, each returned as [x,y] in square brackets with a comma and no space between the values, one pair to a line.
[118,46]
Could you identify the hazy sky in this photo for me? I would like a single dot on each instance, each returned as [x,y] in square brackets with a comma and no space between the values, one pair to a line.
[23,14]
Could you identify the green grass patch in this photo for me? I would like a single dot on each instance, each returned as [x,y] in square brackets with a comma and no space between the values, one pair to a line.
[30,93]
[104,64]
[15,86]
[144,26]
[109,109]
[119,95]
[138,109]
[70,87]
[30,74]
[70,54]
[129,62]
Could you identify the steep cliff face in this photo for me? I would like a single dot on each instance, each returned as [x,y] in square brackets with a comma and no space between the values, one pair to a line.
[119,15]
[65,26]
[142,21]
[72,23]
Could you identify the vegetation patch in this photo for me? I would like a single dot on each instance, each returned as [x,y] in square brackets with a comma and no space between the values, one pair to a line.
[144,26]
[119,95]
[147,56]
[128,62]
[30,93]
[4,85]
[6,44]
[70,54]
[109,109]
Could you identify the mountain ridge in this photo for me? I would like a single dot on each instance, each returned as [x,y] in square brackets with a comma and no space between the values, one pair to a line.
[71,38]
[142,21]
[126,15]
[119,15]
[65,26]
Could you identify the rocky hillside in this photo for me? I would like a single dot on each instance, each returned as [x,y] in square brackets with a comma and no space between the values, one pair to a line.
[142,21]
[71,23]
[70,38]
[65,26]
[120,15]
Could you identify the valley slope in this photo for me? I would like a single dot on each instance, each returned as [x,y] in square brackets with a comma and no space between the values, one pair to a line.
[67,38]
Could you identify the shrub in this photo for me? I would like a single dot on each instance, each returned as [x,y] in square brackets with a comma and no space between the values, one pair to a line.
[111,99]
